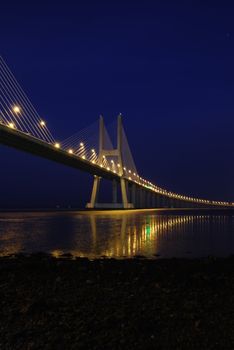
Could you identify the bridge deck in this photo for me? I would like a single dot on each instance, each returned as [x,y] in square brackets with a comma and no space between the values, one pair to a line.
[27,143]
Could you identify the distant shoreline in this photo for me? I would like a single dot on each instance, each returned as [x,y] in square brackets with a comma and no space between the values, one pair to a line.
[179,211]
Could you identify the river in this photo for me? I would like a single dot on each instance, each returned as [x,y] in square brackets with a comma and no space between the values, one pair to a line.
[119,234]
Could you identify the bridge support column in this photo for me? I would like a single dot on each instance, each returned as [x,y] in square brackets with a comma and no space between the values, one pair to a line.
[157,200]
[136,204]
[114,191]
[154,200]
[140,197]
[133,197]
[171,203]
[143,198]
[123,185]
[95,191]
[149,196]
[166,202]
[162,201]
[103,153]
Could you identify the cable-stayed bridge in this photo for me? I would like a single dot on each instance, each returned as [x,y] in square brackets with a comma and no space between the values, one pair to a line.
[90,150]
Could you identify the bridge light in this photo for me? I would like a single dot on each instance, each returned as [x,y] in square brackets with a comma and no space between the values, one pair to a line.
[42,123]
[11,125]
[57,145]
[83,157]
[129,171]
[70,151]
[93,150]
[112,161]
[108,168]
[124,168]
[81,144]
[16,109]
[118,165]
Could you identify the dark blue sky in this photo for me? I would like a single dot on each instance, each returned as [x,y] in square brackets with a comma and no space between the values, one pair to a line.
[167,66]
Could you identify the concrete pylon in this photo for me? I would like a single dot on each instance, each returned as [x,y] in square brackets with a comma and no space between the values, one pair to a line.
[123,181]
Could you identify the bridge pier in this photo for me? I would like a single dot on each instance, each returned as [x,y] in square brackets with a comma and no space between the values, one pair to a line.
[165,202]
[141,197]
[127,192]
[157,199]
[114,192]
[180,203]
[137,197]
[133,195]
[95,191]
[147,199]
[132,199]
[154,200]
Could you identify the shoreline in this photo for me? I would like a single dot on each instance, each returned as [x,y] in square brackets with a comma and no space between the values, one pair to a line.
[61,303]
[158,211]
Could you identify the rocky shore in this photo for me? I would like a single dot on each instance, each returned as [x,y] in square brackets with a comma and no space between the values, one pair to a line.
[49,303]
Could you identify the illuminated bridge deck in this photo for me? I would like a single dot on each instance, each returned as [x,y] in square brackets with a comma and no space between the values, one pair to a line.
[30,144]
[27,143]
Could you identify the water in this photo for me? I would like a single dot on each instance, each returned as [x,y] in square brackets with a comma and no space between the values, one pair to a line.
[117,234]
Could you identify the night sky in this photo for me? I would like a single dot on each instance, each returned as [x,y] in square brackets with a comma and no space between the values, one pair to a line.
[166,66]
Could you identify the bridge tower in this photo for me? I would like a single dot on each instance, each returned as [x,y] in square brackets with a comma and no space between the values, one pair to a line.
[118,153]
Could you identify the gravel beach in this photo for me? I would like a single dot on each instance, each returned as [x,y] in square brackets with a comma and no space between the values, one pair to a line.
[49,303]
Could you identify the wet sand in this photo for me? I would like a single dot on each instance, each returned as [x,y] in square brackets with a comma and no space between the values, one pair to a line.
[49,303]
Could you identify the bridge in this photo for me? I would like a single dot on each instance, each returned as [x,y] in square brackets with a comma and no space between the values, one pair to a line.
[90,150]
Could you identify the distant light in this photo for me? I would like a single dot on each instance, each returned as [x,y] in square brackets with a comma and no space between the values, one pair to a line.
[118,165]
[70,151]
[11,125]
[112,161]
[108,168]
[124,168]
[81,144]
[93,161]
[129,171]
[57,145]
[42,123]
[16,109]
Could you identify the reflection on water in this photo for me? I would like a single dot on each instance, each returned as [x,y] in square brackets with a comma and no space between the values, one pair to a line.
[117,234]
